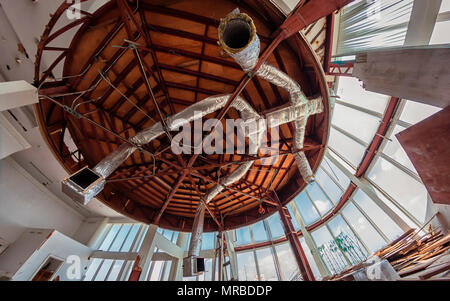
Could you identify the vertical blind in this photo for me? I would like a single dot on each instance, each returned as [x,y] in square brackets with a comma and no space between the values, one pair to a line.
[371,24]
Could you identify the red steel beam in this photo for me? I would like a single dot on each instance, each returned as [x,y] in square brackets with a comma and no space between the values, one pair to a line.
[379,136]
[296,247]
[329,43]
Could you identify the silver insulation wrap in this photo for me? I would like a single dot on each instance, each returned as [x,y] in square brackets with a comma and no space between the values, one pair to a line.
[197,231]
[247,58]
[238,38]
[111,162]
[303,108]
[282,80]
[79,194]
[247,113]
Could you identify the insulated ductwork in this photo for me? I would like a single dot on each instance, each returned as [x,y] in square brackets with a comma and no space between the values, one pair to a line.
[86,184]
[238,38]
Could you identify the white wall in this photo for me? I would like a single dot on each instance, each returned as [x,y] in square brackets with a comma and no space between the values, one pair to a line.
[26,203]
[22,259]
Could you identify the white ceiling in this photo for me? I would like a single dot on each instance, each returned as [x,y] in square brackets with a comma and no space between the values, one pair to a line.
[23,21]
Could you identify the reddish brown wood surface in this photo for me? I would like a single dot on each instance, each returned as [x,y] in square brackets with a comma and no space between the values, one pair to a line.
[184,66]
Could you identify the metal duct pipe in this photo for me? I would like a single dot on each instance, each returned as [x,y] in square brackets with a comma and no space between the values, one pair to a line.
[85,193]
[247,113]
[238,38]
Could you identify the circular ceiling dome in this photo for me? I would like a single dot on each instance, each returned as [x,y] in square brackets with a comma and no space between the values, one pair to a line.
[185,64]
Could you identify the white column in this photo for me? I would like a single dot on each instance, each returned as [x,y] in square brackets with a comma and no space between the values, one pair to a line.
[17,94]
[423,19]
[146,251]
[176,273]
[232,256]
[310,243]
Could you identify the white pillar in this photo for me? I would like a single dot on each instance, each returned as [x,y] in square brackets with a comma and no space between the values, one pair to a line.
[311,244]
[423,19]
[176,273]
[232,256]
[17,94]
[146,251]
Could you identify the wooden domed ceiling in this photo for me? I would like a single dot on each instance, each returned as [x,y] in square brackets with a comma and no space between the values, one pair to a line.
[186,65]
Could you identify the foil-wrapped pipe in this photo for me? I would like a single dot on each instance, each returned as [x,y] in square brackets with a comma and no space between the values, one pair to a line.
[247,113]
[238,38]
[196,111]
[195,244]
[282,80]
[304,167]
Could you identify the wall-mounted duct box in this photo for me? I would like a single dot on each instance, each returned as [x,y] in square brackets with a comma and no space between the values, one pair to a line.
[193,266]
[83,185]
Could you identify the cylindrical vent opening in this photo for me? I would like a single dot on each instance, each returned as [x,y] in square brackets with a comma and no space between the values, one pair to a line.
[237,33]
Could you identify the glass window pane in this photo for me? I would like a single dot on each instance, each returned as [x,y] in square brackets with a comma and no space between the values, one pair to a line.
[157,268]
[365,230]
[329,251]
[379,217]
[309,256]
[288,264]
[440,33]
[394,150]
[330,187]
[243,236]
[347,147]
[394,208]
[350,90]
[246,266]
[131,236]
[208,269]
[319,198]
[167,267]
[347,241]
[411,194]
[357,123]
[307,210]
[259,232]
[370,24]
[120,238]
[141,239]
[266,265]
[293,218]
[168,234]
[104,270]
[109,237]
[335,172]
[92,269]
[115,270]
[186,247]
[175,237]
[276,229]
[414,111]
[343,163]
[208,241]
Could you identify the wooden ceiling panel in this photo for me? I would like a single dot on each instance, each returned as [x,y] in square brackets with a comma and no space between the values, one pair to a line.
[184,65]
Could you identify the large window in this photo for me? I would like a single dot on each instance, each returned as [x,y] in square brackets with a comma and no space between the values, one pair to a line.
[373,24]
[266,264]
[288,265]
[247,266]
[116,238]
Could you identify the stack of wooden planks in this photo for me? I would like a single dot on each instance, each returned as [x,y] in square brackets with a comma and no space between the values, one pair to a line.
[414,256]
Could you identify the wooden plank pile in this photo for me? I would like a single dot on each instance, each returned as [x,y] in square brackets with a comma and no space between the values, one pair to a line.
[414,256]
